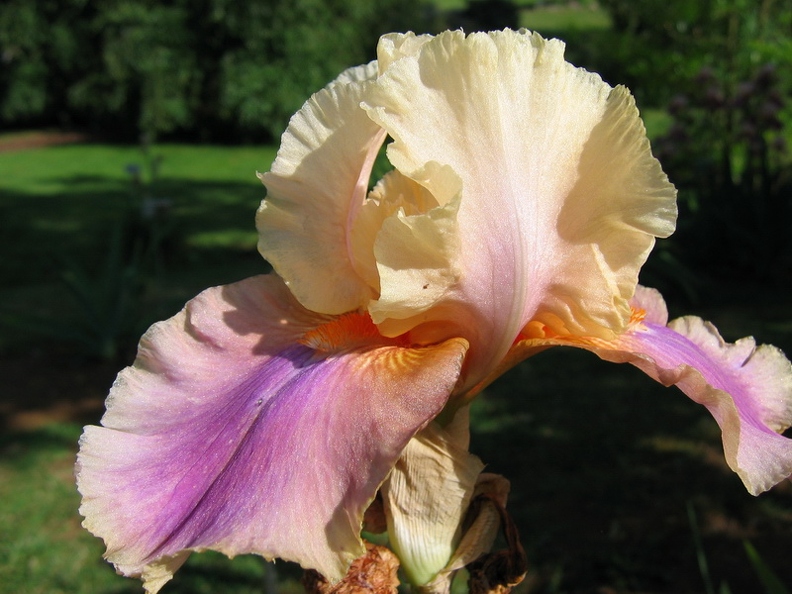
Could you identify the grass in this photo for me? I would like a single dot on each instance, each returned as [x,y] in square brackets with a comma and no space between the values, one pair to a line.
[603,464]
[577,17]
[59,205]
[67,199]
[63,209]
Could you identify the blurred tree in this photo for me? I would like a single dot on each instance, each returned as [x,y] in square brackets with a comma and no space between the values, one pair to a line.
[44,45]
[274,54]
[661,44]
[148,68]
[486,15]
[727,153]
[215,69]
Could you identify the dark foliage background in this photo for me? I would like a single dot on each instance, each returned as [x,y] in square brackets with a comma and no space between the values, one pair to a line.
[722,71]
[210,70]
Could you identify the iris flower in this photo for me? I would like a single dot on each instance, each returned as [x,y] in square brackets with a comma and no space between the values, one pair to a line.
[267,415]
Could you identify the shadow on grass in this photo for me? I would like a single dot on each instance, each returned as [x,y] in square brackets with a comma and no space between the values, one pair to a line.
[38,231]
[22,448]
[603,463]
[88,268]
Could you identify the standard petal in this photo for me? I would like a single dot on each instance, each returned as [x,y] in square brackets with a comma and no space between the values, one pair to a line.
[250,425]
[316,185]
[392,194]
[561,198]
[748,389]
[417,258]
[398,45]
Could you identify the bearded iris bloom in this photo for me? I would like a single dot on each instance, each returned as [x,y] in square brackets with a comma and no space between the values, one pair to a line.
[265,417]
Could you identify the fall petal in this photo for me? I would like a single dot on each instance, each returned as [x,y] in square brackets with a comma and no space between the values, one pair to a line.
[747,388]
[651,303]
[231,433]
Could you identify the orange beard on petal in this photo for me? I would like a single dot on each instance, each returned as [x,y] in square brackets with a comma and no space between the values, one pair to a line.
[536,337]
[348,331]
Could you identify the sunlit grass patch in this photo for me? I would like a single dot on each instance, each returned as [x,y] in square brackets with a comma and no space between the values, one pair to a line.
[44,550]
[565,17]
[657,122]
[236,238]
[64,202]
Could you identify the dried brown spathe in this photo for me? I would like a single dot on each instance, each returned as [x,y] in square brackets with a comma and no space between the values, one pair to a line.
[374,572]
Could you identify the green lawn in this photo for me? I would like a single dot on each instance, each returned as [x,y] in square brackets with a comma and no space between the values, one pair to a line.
[74,211]
[65,200]
[45,551]
[565,17]
[59,208]
[603,465]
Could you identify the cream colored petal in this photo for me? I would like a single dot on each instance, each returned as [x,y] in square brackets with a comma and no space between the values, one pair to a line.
[156,575]
[479,536]
[426,498]
[417,261]
[607,225]
[398,45]
[315,188]
[402,192]
[392,193]
[561,198]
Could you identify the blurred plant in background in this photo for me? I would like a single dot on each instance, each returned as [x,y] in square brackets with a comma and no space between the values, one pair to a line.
[77,286]
[726,152]
[770,581]
[149,229]
[110,300]
[656,46]
[722,72]
[714,77]
[109,295]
